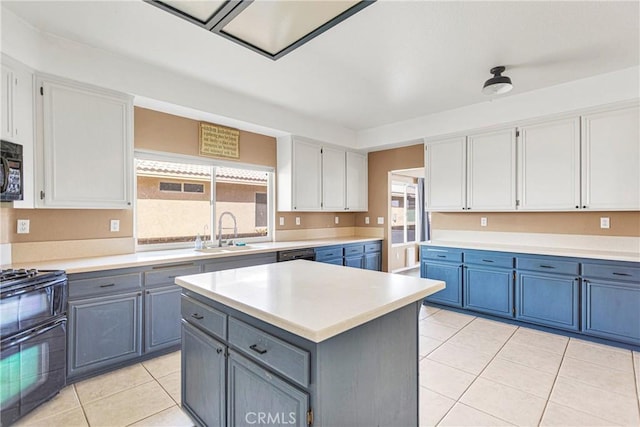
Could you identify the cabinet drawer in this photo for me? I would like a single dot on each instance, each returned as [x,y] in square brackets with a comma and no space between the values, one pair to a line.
[489,259]
[547,265]
[290,361]
[441,254]
[372,247]
[328,253]
[611,272]
[163,275]
[207,318]
[104,285]
[353,250]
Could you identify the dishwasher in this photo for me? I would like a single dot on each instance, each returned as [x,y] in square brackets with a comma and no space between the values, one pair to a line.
[306,253]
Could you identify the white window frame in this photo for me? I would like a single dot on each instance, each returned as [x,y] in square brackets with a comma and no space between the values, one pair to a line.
[417,218]
[183,158]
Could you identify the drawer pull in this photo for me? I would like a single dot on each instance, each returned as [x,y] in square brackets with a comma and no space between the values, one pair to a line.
[107,285]
[257,349]
[487,260]
[547,266]
[621,274]
[164,267]
[441,256]
[197,316]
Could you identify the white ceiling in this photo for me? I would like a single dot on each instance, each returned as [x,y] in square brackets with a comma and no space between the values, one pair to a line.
[392,61]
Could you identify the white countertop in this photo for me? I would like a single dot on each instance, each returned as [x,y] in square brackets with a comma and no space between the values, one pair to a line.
[140,259]
[539,250]
[313,300]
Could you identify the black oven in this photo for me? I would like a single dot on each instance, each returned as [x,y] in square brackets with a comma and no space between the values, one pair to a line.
[10,171]
[33,340]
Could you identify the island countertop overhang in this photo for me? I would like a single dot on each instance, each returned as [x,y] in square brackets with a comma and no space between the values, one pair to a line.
[313,300]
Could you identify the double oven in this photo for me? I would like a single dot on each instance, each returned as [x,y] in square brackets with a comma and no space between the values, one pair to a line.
[33,323]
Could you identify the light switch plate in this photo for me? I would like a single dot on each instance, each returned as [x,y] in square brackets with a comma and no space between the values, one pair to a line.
[114,225]
[297,220]
[483,222]
[604,222]
[366,220]
[281,220]
[23,226]
[337,220]
[380,220]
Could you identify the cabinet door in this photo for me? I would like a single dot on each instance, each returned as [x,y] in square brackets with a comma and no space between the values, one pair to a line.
[354,261]
[162,318]
[357,182]
[373,261]
[611,160]
[203,376]
[7,104]
[610,310]
[104,331]
[307,173]
[87,147]
[445,174]
[451,274]
[489,291]
[333,179]
[549,166]
[551,300]
[256,392]
[491,171]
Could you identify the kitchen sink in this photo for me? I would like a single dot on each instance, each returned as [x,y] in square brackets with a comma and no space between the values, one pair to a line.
[223,249]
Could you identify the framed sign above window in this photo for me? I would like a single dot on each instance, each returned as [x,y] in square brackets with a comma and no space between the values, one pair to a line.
[219,141]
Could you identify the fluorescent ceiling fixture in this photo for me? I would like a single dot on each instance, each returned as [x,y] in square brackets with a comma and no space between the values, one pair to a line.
[272,28]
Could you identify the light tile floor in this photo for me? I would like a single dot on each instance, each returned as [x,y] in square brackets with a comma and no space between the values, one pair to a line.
[473,372]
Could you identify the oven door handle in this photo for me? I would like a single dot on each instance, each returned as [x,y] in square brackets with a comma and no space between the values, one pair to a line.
[32,288]
[32,333]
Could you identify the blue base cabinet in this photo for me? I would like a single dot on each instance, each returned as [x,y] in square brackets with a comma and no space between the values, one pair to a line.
[445,265]
[548,300]
[611,302]
[488,283]
[591,297]
[358,255]
[489,291]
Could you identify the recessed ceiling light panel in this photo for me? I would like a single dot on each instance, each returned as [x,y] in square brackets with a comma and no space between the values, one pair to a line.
[272,28]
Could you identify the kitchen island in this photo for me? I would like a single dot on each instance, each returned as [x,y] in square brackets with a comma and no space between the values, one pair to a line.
[301,343]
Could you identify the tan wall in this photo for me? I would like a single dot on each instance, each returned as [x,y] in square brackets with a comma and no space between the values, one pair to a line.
[314,220]
[398,259]
[622,223]
[167,133]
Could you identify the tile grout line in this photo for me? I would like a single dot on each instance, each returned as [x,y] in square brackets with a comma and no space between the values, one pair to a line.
[84,413]
[477,376]
[636,377]
[555,379]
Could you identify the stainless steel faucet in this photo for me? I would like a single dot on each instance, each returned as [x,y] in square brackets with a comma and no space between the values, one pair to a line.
[235,226]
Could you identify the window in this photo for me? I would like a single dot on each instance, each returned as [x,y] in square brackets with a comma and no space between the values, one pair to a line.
[179,198]
[403,212]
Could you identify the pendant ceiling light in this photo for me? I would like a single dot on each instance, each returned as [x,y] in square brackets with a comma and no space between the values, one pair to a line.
[498,84]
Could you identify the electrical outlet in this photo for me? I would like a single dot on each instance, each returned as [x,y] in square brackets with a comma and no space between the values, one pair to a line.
[483,222]
[366,220]
[23,226]
[604,222]
[297,220]
[380,220]
[114,225]
[337,220]
[281,220]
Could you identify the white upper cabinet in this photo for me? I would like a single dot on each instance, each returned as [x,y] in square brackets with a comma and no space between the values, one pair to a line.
[549,165]
[316,177]
[17,121]
[611,160]
[446,174]
[491,171]
[85,146]
[333,179]
[357,182]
